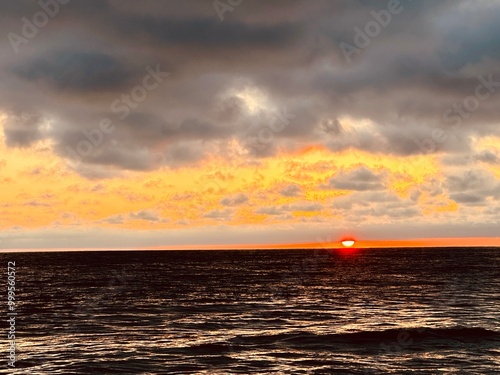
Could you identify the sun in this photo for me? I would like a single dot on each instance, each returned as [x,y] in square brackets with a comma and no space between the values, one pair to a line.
[348,243]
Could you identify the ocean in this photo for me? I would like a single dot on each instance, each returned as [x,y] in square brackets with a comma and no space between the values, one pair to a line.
[367,311]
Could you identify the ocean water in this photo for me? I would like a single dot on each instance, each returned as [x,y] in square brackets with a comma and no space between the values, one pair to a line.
[373,311]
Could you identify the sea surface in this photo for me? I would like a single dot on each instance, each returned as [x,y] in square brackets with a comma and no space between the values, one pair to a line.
[371,311]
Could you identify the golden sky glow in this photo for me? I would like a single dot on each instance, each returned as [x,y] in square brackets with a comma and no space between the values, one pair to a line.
[42,190]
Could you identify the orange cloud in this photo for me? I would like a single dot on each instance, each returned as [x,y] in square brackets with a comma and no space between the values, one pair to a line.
[40,189]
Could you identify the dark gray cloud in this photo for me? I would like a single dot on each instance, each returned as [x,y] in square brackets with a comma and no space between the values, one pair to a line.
[381,205]
[206,32]
[222,215]
[473,187]
[467,198]
[470,180]
[274,211]
[291,191]
[116,219]
[234,200]
[360,179]
[283,212]
[22,129]
[76,71]
[488,157]
[147,215]
[306,207]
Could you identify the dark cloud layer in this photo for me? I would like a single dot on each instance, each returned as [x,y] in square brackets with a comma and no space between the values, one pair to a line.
[429,58]
[76,71]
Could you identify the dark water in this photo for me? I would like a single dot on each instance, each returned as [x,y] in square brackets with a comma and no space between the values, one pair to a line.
[393,311]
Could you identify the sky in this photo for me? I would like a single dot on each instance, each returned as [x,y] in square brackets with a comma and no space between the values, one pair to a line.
[232,123]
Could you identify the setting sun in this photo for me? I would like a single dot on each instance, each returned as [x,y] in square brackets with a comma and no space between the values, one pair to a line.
[348,243]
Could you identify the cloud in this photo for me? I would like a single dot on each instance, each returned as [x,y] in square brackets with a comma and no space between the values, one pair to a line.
[206,32]
[469,180]
[467,198]
[219,214]
[473,187]
[359,179]
[76,71]
[23,129]
[291,191]
[115,219]
[147,215]
[402,83]
[235,200]
[284,210]
[303,206]
[488,157]
[376,207]
[270,211]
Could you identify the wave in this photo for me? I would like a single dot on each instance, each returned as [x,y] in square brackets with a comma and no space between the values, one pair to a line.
[408,338]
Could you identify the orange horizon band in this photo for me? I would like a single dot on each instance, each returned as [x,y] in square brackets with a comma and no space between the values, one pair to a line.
[361,244]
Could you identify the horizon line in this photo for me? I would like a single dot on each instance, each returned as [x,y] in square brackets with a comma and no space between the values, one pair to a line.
[359,244]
